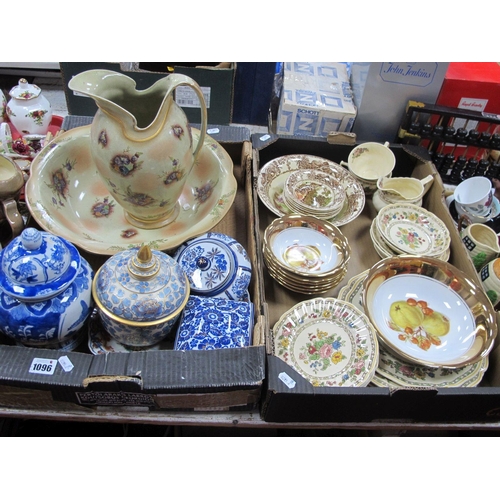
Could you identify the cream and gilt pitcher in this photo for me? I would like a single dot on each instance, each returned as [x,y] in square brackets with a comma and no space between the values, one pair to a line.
[141,142]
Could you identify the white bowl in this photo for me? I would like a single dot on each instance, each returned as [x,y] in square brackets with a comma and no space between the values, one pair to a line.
[428,312]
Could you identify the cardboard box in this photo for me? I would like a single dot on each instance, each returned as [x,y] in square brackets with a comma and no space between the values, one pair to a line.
[154,380]
[253,86]
[472,86]
[382,91]
[216,82]
[316,99]
[305,403]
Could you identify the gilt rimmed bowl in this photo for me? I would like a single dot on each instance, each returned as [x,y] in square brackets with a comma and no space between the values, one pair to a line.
[428,312]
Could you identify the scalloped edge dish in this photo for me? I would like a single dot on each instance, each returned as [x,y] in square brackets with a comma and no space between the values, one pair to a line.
[272,177]
[327,341]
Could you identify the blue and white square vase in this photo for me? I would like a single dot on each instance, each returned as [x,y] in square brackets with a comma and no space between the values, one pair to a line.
[214,323]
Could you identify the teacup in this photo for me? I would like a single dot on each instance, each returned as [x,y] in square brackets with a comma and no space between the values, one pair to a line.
[370,161]
[481,242]
[474,196]
[11,183]
[490,281]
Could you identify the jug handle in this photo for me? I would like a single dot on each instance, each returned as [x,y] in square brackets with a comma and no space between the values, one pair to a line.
[427,183]
[13,217]
[186,80]
[463,218]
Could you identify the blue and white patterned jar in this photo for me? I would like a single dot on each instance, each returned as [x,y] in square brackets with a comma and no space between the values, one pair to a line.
[216,265]
[140,294]
[45,291]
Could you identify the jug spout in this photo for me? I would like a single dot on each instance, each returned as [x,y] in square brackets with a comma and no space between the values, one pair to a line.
[141,113]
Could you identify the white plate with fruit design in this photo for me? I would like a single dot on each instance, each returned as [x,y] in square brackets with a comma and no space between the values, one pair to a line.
[428,312]
[327,341]
[393,372]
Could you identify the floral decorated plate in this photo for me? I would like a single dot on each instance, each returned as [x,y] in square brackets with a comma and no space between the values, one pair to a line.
[328,342]
[67,197]
[428,312]
[393,372]
[414,230]
[353,291]
[273,175]
[384,250]
[406,374]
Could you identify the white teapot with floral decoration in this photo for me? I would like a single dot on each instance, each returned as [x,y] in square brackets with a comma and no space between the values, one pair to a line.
[28,109]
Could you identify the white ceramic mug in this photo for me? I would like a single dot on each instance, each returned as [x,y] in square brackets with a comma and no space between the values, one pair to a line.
[474,196]
[490,280]
[370,161]
[481,242]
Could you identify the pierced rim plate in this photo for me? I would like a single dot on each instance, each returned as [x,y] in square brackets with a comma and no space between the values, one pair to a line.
[393,372]
[327,341]
[272,177]
[414,230]
[67,197]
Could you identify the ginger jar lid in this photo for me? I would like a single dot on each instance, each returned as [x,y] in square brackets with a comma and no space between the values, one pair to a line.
[37,265]
[25,91]
[141,286]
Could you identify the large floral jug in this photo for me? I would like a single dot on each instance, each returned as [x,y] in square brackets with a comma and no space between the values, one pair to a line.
[141,142]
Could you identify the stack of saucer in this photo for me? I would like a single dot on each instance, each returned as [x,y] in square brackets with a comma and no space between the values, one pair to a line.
[404,228]
[305,254]
[314,192]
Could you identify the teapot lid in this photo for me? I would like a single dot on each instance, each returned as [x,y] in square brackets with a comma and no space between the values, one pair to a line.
[25,90]
[141,286]
[37,265]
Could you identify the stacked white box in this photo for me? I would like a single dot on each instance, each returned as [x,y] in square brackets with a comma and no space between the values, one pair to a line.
[316,99]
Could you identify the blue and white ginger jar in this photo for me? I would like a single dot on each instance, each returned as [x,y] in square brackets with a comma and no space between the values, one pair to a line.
[45,291]
[140,294]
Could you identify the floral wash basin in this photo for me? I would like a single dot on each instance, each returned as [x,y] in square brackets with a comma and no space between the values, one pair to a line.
[67,197]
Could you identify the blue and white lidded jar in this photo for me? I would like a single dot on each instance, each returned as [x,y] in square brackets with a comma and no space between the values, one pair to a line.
[45,291]
[217,265]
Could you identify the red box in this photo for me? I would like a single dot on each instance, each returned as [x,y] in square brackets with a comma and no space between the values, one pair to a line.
[473,86]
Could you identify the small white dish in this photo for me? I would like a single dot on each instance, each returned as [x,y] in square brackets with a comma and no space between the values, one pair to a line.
[305,249]
[409,229]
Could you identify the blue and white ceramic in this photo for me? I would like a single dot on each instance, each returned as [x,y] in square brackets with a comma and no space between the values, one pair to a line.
[214,323]
[45,290]
[216,265]
[140,294]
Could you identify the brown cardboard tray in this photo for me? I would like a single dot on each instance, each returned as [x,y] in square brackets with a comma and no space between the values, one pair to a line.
[207,381]
[305,403]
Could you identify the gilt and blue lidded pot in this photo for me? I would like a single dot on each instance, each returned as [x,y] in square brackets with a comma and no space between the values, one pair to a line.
[45,291]
[140,294]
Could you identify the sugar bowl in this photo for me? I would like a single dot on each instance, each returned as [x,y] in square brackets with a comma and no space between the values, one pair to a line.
[28,109]
[45,291]
[140,294]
